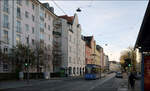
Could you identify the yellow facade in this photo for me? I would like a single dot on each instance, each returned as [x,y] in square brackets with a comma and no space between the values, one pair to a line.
[97,58]
[95,53]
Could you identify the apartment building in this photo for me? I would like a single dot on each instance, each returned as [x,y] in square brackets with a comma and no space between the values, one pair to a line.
[71,56]
[27,22]
[106,62]
[88,49]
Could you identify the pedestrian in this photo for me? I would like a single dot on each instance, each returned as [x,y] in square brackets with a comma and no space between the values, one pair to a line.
[132,80]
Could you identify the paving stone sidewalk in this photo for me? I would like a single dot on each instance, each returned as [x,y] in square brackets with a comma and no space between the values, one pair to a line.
[125,86]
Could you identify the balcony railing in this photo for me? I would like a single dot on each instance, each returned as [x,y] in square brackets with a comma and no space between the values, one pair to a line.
[56,33]
[6,25]
[42,18]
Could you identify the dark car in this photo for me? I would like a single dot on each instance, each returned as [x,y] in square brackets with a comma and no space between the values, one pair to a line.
[119,75]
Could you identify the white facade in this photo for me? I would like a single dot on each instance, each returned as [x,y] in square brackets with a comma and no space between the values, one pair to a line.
[138,60]
[26,21]
[106,62]
[114,66]
[72,47]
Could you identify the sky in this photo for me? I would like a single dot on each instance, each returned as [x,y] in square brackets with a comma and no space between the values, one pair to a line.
[115,23]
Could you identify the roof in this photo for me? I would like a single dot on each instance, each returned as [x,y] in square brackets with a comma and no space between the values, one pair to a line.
[88,40]
[143,39]
[98,47]
[68,18]
[46,8]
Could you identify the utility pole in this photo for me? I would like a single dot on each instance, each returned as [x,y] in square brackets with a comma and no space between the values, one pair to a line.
[28,61]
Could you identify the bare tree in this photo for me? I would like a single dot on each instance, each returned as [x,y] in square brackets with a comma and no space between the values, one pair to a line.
[131,54]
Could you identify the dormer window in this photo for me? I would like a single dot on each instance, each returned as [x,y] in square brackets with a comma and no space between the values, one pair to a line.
[78,25]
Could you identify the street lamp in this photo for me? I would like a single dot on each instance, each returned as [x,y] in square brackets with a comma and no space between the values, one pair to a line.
[78,10]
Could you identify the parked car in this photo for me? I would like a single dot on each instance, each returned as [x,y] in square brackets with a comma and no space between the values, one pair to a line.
[119,75]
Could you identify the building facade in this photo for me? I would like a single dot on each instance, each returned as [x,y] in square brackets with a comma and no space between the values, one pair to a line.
[88,49]
[114,66]
[26,22]
[106,63]
[72,57]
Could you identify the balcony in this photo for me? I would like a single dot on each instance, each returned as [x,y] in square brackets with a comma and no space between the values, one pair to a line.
[18,17]
[6,25]
[42,18]
[56,33]
[18,30]
[4,40]
[6,10]
[57,23]
[41,29]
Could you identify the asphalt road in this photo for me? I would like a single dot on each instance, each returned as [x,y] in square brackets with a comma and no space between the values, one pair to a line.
[109,83]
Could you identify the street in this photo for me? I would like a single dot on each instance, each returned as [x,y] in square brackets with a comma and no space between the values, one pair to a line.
[109,83]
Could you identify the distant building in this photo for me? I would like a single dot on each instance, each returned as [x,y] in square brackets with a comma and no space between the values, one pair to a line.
[106,62]
[114,66]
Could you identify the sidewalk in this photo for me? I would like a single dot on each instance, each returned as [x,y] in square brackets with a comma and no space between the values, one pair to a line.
[23,83]
[124,85]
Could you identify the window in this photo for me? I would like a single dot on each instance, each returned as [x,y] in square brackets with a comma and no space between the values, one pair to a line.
[42,13]
[48,27]
[69,59]
[42,25]
[27,40]
[5,9]
[19,26]
[26,14]
[18,12]
[49,37]
[5,22]
[33,6]
[19,2]
[45,15]
[27,27]
[70,49]
[6,36]
[18,38]
[32,41]
[33,18]
[33,30]
[45,25]
[41,35]
[49,17]
[6,50]
[5,67]
[27,2]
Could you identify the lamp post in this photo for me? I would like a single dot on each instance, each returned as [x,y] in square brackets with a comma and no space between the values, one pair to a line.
[27,64]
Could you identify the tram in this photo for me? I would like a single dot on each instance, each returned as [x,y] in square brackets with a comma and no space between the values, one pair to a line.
[92,72]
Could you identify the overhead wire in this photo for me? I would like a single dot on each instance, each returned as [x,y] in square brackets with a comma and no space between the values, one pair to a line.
[59,7]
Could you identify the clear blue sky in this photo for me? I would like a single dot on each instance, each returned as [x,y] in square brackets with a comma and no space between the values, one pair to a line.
[115,23]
